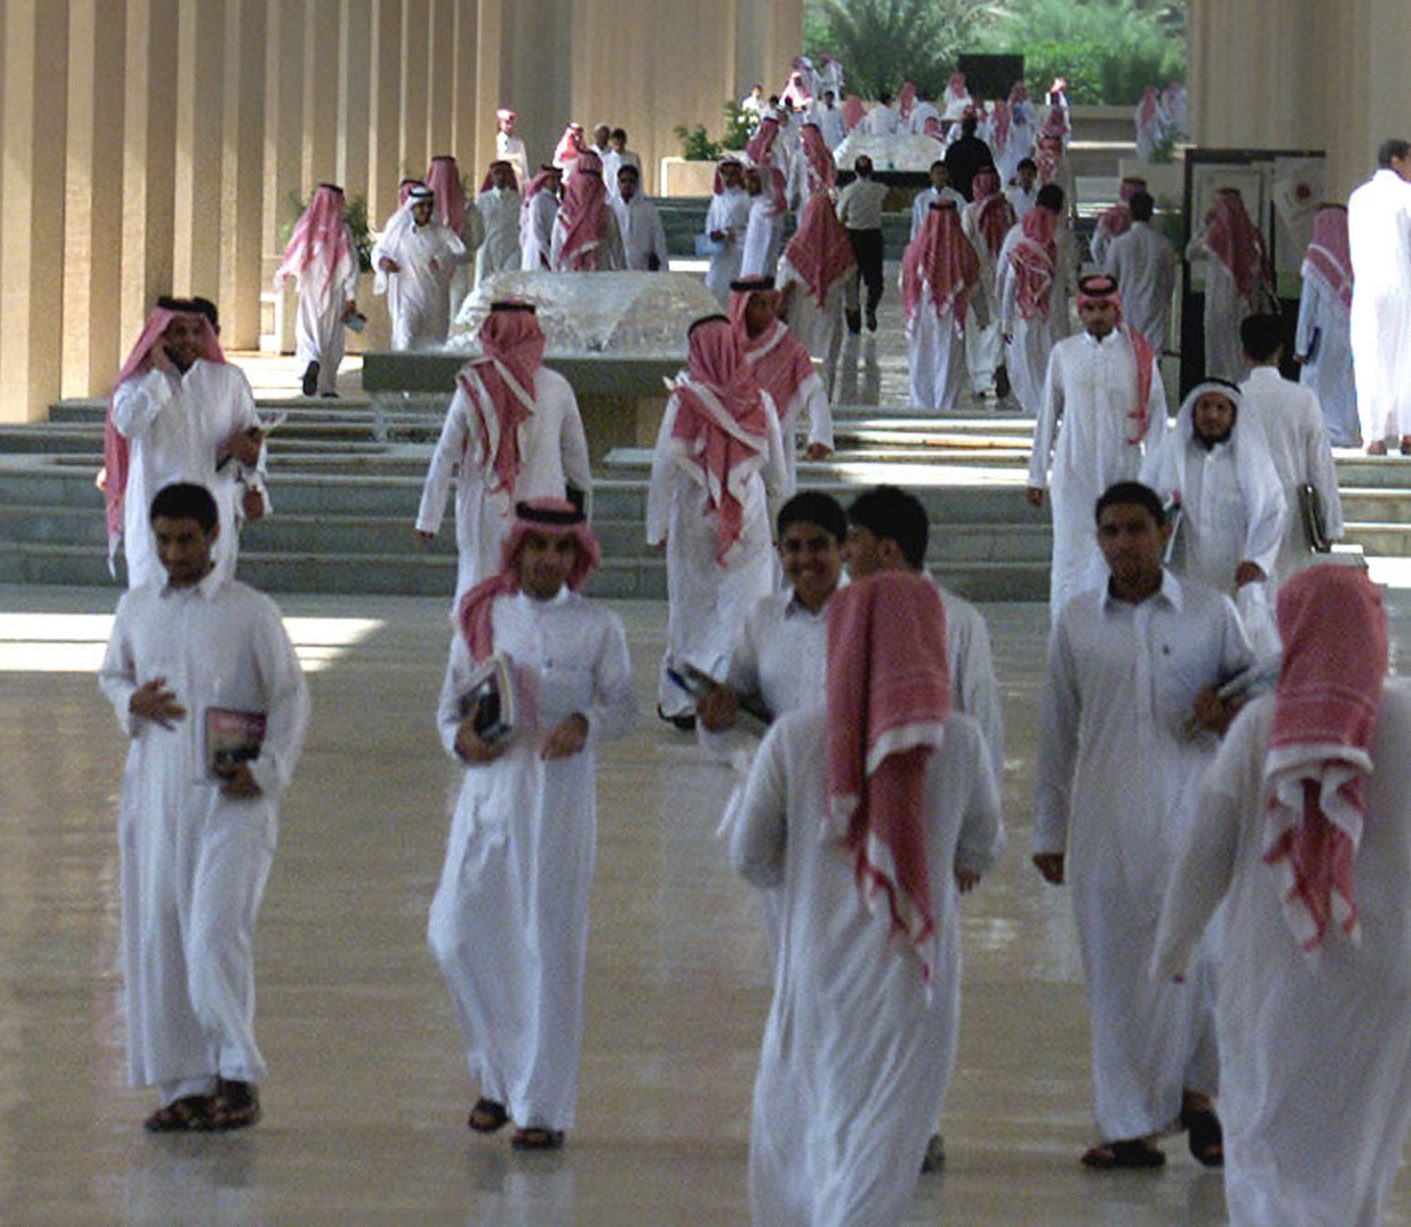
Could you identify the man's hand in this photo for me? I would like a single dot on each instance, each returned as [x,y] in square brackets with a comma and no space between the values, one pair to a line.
[473,748]
[236,780]
[817,451]
[1212,713]
[434,264]
[161,359]
[566,738]
[424,537]
[719,236]
[1248,573]
[154,702]
[389,265]
[350,309]
[252,505]
[1035,495]
[966,879]
[1050,864]
[245,446]
[717,710]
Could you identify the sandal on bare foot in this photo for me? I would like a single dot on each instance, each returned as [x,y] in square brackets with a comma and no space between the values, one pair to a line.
[935,1157]
[537,1138]
[487,1116]
[1205,1137]
[1134,1153]
[237,1105]
[191,1114]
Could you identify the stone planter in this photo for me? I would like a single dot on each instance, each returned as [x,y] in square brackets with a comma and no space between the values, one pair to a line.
[682,178]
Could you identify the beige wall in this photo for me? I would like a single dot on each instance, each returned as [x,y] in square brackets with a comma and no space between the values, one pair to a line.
[151,146]
[1302,74]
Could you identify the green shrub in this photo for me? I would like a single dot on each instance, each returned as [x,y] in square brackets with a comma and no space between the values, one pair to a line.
[696,145]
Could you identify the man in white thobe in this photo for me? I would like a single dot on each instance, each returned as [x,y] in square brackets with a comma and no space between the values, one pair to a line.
[882,120]
[508,147]
[207,687]
[509,923]
[861,1035]
[322,256]
[1132,663]
[813,270]
[1104,387]
[1029,268]
[1292,422]
[1379,239]
[1023,193]
[940,189]
[764,226]
[184,414]
[1144,264]
[512,432]
[414,261]
[536,219]
[498,206]
[1323,342]
[618,156]
[829,118]
[1308,1012]
[726,221]
[639,224]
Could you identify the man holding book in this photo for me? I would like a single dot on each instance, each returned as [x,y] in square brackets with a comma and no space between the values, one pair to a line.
[206,685]
[537,676]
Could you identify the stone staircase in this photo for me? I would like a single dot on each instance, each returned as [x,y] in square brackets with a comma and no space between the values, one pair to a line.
[346,480]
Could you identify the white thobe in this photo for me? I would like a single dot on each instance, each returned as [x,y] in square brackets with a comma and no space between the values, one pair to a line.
[809,399]
[643,235]
[706,602]
[925,198]
[830,124]
[419,295]
[1225,519]
[607,256]
[818,327]
[1031,340]
[764,228]
[1292,421]
[984,342]
[499,253]
[1116,773]
[509,923]
[1379,241]
[175,424]
[856,1052]
[1315,1057]
[536,231]
[1144,263]
[319,334]
[1021,200]
[935,350]
[1092,387]
[511,149]
[1225,311]
[1018,145]
[614,162]
[881,121]
[194,861]
[729,212]
[553,455]
[1324,343]
[920,113]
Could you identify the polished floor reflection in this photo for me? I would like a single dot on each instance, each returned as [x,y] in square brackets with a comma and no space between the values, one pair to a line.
[367,1097]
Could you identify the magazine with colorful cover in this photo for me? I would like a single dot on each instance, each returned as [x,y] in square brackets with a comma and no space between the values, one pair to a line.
[232,737]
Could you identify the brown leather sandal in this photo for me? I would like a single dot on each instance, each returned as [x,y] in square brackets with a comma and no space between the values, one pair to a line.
[488,1116]
[237,1105]
[537,1138]
[191,1114]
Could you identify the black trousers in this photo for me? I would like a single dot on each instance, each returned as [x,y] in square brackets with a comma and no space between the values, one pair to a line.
[867,251]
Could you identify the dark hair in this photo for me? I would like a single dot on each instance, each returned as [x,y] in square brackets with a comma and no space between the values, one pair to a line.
[1263,336]
[184,500]
[191,306]
[968,124]
[862,160]
[941,162]
[628,168]
[1142,206]
[1050,197]
[1028,163]
[619,134]
[715,317]
[1393,148]
[884,98]
[813,507]
[1131,494]
[892,514]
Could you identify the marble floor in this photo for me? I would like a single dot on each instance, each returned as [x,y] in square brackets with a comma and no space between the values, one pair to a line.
[367,1096]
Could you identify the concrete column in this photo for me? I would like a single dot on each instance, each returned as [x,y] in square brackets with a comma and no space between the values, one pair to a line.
[34,101]
[242,165]
[440,78]
[200,77]
[384,146]
[93,196]
[321,92]
[488,82]
[414,156]
[284,129]
[354,97]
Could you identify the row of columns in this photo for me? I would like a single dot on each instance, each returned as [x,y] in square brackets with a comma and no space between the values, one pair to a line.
[157,146]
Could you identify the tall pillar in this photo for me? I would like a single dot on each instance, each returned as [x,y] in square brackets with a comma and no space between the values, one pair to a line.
[319,155]
[200,113]
[242,166]
[384,144]
[354,97]
[34,99]
[93,196]
[441,53]
[284,126]
[414,154]
[489,26]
